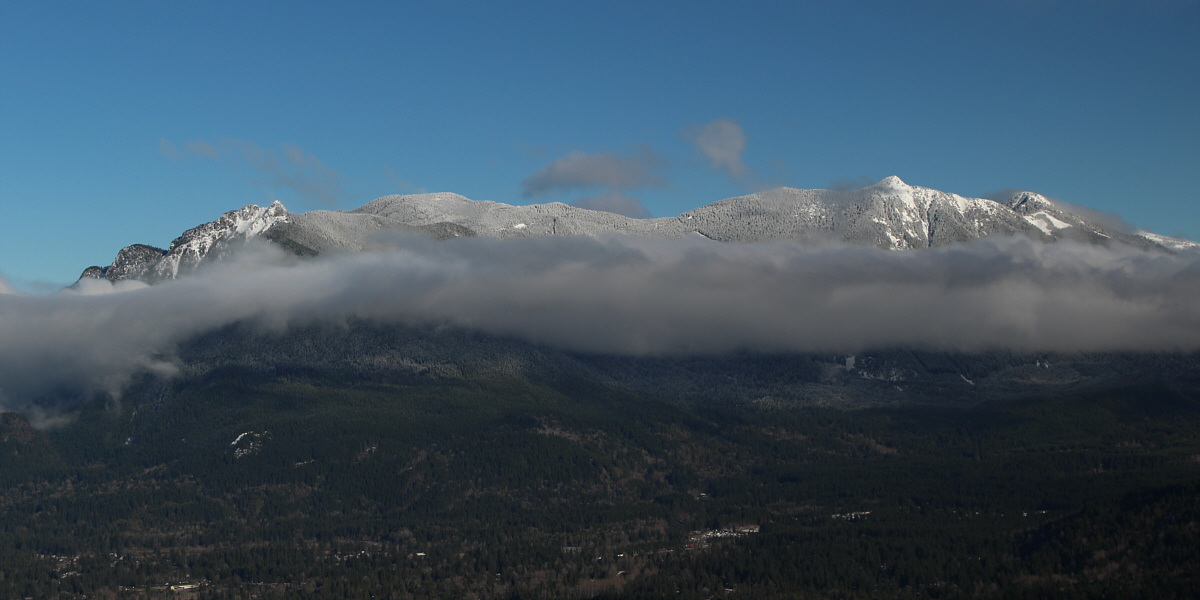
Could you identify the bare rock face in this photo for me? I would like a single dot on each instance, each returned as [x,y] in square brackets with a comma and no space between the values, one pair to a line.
[214,238]
[890,215]
[132,262]
[151,265]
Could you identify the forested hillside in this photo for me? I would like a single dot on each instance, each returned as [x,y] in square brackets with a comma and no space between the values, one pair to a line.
[247,481]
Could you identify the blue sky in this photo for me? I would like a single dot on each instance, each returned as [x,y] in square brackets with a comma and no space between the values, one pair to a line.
[129,122]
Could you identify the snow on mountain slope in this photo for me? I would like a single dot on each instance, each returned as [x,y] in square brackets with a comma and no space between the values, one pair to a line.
[151,264]
[189,249]
[890,215]
[1057,223]
[311,233]
[894,215]
[493,219]
[1177,244]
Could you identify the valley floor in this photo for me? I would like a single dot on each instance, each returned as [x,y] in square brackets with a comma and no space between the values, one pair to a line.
[243,485]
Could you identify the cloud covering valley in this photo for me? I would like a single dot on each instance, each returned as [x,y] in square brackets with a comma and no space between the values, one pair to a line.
[623,296]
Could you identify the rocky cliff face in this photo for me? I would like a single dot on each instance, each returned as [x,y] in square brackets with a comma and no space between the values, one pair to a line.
[132,262]
[150,264]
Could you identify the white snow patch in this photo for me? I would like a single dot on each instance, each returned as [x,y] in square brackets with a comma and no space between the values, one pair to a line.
[519,226]
[1053,222]
[897,243]
[1170,242]
[1046,222]
[253,220]
[963,204]
[1039,224]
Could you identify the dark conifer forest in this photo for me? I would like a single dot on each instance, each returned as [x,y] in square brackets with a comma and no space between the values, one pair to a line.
[240,482]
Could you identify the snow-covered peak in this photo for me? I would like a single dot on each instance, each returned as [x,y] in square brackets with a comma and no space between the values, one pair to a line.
[189,249]
[890,214]
[892,182]
[430,207]
[252,219]
[1029,202]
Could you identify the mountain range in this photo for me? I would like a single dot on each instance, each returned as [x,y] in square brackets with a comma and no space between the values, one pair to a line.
[889,215]
[310,428]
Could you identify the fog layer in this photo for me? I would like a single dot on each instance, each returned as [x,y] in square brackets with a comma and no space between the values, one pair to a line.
[624,296]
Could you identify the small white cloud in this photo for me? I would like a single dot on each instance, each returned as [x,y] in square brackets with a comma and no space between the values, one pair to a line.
[614,202]
[579,170]
[721,143]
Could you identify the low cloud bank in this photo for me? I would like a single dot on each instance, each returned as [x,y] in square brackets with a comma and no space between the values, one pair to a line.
[625,296]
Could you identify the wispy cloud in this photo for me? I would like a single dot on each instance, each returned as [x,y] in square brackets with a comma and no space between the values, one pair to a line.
[202,148]
[602,170]
[167,148]
[611,174]
[615,202]
[626,296]
[402,183]
[23,286]
[290,168]
[721,143]
[1108,219]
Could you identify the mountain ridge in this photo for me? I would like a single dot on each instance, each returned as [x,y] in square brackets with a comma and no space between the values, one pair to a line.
[890,215]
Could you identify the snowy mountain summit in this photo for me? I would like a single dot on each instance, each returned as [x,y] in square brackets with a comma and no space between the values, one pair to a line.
[208,241]
[890,215]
